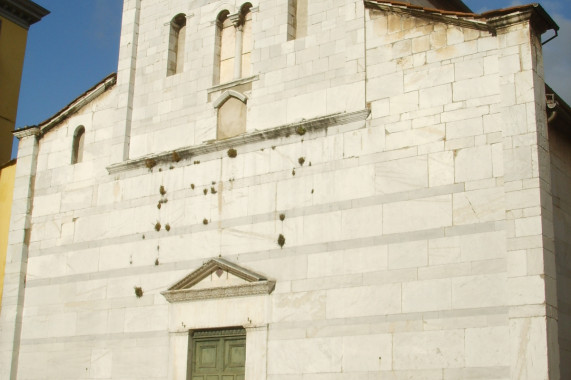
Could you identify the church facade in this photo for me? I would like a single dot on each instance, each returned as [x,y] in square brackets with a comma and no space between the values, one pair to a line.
[332,189]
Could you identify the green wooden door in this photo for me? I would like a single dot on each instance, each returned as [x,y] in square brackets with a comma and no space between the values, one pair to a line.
[218,355]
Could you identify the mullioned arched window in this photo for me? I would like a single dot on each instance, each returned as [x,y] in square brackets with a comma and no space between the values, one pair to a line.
[233,45]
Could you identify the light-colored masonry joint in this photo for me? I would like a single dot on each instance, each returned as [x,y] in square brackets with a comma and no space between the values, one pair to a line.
[304,126]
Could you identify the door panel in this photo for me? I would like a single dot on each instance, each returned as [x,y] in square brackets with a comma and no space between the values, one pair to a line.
[235,354]
[206,355]
[218,357]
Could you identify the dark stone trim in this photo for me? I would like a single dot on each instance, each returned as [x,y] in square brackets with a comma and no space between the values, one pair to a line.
[22,12]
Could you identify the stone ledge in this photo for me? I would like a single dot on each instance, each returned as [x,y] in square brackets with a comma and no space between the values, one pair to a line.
[234,83]
[251,289]
[305,126]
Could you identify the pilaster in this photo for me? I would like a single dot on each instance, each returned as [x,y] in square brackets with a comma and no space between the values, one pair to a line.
[17,255]
[126,70]
[530,254]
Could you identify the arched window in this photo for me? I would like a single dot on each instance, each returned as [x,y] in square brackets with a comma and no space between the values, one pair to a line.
[297,19]
[177,39]
[233,45]
[78,141]
[225,46]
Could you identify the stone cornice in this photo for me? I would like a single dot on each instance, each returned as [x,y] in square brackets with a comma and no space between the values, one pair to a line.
[233,83]
[182,290]
[22,12]
[250,289]
[27,131]
[446,18]
[312,125]
[536,15]
[490,21]
[207,268]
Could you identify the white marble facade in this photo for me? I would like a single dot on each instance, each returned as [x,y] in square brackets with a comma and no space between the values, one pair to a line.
[401,154]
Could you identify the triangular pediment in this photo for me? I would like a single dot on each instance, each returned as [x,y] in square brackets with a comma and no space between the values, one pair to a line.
[218,278]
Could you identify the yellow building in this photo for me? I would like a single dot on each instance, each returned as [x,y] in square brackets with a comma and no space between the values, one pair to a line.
[7,175]
[16,16]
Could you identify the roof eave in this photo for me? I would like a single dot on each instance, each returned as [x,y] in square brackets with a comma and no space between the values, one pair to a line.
[78,103]
[470,20]
[533,13]
[492,20]
[22,12]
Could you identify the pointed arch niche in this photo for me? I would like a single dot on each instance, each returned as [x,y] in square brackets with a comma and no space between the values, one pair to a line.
[219,296]
[231,121]
[177,40]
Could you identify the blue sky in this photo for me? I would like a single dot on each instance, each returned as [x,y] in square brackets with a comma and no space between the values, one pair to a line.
[77,45]
[69,51]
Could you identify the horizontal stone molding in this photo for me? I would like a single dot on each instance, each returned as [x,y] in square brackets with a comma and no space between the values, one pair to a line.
[234,83]
[251,289]
[305,249]
[302,127]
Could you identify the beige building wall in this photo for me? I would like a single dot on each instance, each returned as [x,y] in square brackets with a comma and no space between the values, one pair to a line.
[393,180]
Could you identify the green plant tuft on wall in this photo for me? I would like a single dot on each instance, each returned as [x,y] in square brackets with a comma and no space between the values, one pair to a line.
[158,226]
[150,163]
[138,291]
[301,161]
[232,153]
[282,217]
[168,227]
[205,221]
[175,157]
[162,190]
[300,130]
[281,240]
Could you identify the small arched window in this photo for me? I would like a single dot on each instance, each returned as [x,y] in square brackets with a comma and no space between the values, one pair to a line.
[177,40]
[78,141]
[225,47]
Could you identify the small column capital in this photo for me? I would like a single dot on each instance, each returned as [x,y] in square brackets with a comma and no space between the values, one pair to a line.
[237,19]
[27,131]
